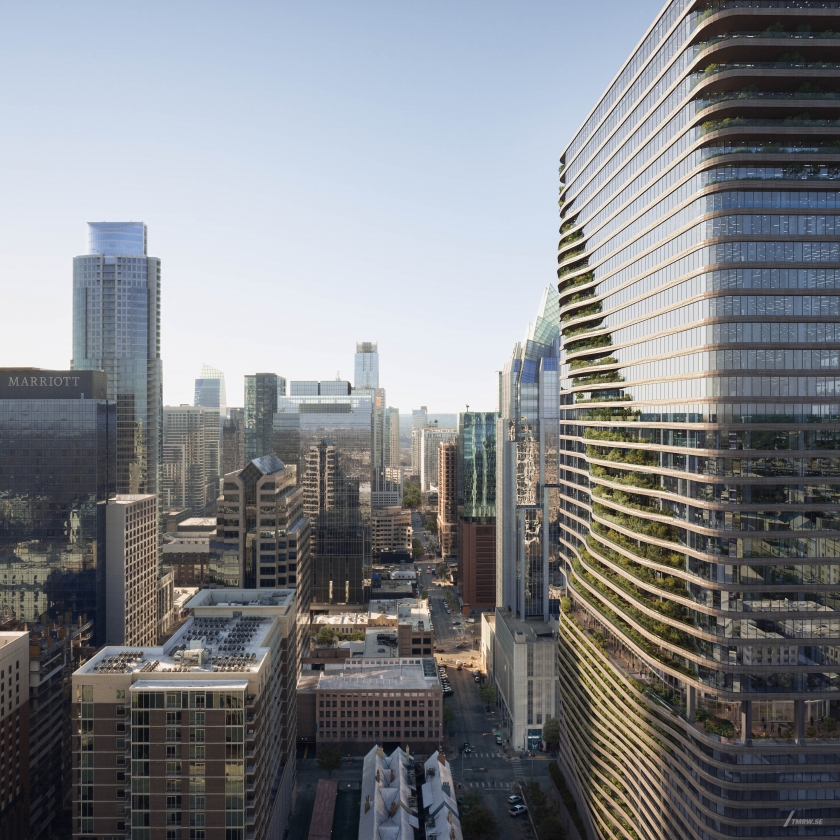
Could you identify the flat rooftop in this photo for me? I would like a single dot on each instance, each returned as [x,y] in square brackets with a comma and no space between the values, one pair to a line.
[527,631]
[341,618]
[206,643]
[410,675]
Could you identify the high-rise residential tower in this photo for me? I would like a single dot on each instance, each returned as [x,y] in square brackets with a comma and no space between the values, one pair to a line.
[262,391]
[191,432]
[366,366]
[419,421]
[116,328]
[210,390]
[447,510]
[232,444]
[392,435]
[699,273]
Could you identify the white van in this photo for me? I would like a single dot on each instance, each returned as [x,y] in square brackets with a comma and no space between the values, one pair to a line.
[470,621]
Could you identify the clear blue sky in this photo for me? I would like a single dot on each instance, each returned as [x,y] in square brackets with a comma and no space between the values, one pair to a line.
[312,174]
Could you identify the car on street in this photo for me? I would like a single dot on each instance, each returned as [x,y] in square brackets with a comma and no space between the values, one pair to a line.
[477,679]
[467,748]
[498,739]
[517,810]
[514,800]
[460,646]
[456,623]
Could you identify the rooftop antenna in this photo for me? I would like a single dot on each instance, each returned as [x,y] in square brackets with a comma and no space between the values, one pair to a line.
[338,374]
[468,406]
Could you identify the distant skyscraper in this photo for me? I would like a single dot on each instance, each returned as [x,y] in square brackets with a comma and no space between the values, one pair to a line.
[419,421]
[430,440]
[447,512]
[526,468]
[331,500]
[366,368]
[116,328]
[57,471]
[477,508]
[261,393]
[392,435]
[233,441]
[210,390]
[194,430]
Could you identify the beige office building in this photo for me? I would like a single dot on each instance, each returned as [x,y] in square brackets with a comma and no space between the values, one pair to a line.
[390,529]
[131,570]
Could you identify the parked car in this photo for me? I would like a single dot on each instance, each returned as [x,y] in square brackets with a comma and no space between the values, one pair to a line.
[517,810]
[499,740]
[477,679]
[470,621]
[514,800]
[456,623]
[475,672]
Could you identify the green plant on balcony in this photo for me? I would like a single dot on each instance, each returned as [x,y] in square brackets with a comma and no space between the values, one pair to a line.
[717,125]
[568,224]
[629,500]
[792,58]
[719,726]
[598,379]
[568,240]
[631,479]
[774,30]
[583,312]
[607,414]
[589,326]
[637,457]
[576,364]
[579,296]
[654,553]
[672,610]
[599,433]
[656,530]
[665,632]
[589,344]
[568,266]
[672,585]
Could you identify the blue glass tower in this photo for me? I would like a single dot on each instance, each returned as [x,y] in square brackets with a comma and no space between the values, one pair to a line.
[116,328]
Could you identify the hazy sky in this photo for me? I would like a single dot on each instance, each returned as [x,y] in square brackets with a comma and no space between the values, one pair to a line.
[312,174]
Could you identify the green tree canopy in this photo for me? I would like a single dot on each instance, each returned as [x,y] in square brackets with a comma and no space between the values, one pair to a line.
[551,732]
[487,693]
[551,829]
[357,636]
[479,824]
[329,759]
[416,548]
[412,497]
[448,715]
[326,636]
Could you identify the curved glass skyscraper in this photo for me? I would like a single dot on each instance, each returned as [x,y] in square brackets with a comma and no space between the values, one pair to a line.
[699,270]
[116,328]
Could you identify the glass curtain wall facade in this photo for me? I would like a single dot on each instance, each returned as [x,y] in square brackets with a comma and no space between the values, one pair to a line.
[366,365]
[210,390]
[331,441]
[699,270]
[339,538]
[116,328]
[477,464]
[262,390]
[526,469]
[57,470]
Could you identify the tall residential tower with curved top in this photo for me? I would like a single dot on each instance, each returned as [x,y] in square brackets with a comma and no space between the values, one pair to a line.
[699,283]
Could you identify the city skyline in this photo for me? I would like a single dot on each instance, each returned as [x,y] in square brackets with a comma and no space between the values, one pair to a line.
[436,177]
